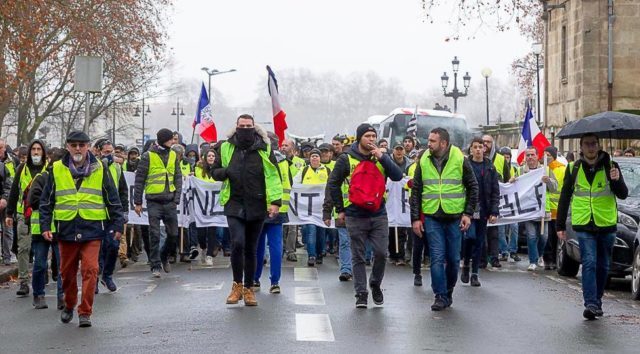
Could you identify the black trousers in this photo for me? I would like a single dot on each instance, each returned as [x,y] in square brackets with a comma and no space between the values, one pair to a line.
[207,239]
[244,242]
[397,254]
[550,249]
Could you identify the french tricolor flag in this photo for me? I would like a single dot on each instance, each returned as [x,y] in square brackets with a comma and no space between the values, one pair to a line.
[531,136]
[203,121]
[279,122]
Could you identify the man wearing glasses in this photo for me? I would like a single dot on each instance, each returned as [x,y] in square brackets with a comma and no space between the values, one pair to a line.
[81,198]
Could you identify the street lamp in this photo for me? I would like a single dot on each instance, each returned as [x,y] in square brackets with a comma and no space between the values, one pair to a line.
[214,72]
[178,112]
[486,72]
[537,50]
[137,114]
[455,93]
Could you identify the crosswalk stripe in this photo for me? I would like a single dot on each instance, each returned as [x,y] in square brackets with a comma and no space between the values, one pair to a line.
[309,296]
[314,328]
[305,274]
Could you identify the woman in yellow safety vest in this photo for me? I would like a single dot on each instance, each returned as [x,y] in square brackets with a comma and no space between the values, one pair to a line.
[313,235]
[207,235]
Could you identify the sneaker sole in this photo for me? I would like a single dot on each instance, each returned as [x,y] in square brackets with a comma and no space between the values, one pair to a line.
[361,306]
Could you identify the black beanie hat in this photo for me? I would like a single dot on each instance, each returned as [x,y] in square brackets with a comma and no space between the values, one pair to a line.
[363,129]
[552,150]
[164,135]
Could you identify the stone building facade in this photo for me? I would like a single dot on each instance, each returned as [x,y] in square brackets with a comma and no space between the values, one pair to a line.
[576,62]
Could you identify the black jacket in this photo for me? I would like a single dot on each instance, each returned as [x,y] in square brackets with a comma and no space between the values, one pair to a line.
[80,230]
[141,178]
[468,180]
[491,190]
[248,198]
[619,189]
[342,170]
[14,194]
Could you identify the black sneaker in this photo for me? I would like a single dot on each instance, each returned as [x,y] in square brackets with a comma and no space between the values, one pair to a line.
[515,257]
[256,286]
[166,266]
[274,289]
[376,294]
[417,280]
[345,277]
[319,260]
[449,298]
[291,257]
[590,312]
[108,283]
[474,280]
[311,261]
[39,302]
[464,274]
[60,303]
[84,321]
[367,262]
[495,263]
[23,290]
[439,304]
[193,254]
[155,272]
[172,260]
[361,300]
[599,312]
[66,315]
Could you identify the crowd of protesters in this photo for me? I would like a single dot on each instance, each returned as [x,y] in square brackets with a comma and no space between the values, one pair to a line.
[67,209]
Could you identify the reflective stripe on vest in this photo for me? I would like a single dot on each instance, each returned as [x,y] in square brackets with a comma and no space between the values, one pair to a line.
[443,190]
[286,185]
[353,162]
[35,223]
[593,201]
[159,174]
[25,180]
[271,175]
[87,201]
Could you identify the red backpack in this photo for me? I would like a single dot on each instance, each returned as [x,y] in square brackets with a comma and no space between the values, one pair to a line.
[367,186]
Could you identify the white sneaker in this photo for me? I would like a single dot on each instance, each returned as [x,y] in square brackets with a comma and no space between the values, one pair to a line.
[540,262]
[209,261]
[532,267]
[14,260]
[203,257]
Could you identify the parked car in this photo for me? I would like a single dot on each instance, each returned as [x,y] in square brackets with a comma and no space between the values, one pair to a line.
[626,242]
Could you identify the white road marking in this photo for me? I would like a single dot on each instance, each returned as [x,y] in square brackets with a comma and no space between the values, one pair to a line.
[202,286]
[150,288]
[576,288]
[556,279]
[305,274]
[309,296]
[314,328]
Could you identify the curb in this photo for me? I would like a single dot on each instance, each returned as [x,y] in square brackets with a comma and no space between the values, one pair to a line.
[7,272]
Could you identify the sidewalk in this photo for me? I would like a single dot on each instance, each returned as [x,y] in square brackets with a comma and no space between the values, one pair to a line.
[6,272]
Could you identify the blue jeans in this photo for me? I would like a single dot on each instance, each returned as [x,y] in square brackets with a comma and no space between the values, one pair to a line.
[535,240]
[315,239]
[510,231]
[595,253]
[444,247]
[345,250]
[332,239]
[473,241]
[40,253]
[108,256]
[222,234]
[271,233]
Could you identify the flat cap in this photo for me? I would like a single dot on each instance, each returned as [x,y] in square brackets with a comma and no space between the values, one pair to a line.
[78,137]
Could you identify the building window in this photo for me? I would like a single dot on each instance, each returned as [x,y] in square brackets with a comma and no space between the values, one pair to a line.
[563,54]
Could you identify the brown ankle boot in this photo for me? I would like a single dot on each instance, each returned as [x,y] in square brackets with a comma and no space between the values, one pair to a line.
[249,297]
[236,293]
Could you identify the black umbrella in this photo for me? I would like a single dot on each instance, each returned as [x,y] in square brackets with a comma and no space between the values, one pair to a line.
[612,125]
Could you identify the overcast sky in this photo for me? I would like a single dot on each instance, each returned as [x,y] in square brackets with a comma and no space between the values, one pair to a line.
[389,37]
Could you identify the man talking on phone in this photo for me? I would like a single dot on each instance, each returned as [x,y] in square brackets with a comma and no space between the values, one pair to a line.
[364,223]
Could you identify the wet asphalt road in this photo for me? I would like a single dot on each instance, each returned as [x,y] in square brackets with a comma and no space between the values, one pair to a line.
[185,311]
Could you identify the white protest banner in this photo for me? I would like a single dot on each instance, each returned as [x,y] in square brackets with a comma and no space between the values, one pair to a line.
[305,206]
[204,203]
[522,200]
[134,219]
[397,203]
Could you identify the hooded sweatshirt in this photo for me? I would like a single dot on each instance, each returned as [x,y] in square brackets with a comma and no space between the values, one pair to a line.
[14,195]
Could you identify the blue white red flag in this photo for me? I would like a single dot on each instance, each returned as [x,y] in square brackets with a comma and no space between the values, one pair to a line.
[203,121]
[279,121]
[531,136]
